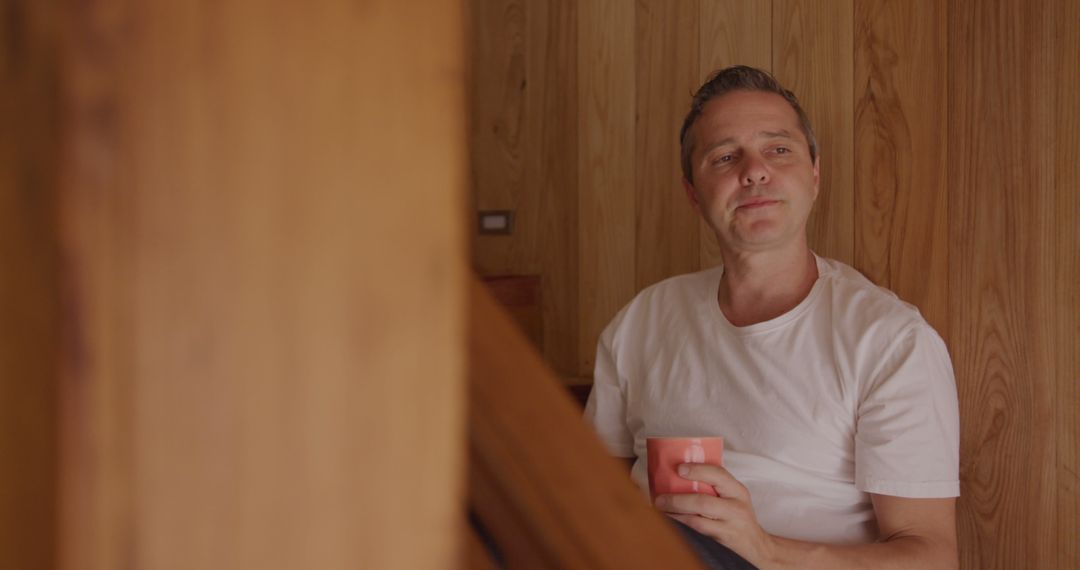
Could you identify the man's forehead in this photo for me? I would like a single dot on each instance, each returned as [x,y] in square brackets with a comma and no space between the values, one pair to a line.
[763,113]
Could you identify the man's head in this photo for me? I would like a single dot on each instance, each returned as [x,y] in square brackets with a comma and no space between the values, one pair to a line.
[750,162]
[735,78]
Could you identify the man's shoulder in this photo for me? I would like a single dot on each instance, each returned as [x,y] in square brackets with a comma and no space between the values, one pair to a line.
[875,324]
[864,301]
[669,296]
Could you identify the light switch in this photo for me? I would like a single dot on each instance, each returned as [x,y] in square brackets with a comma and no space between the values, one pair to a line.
[496,221]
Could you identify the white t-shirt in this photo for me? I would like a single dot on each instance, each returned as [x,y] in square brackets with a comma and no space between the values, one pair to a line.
[849,393]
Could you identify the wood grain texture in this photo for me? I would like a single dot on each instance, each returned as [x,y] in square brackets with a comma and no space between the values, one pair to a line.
[668,241]
[497,130]
[813,56]
[520,297]
[1067,266]
[247,237]
[29,285]
[901,151]
[920,109]
[606,172]
[732,32]
[1002,314]
[541,481]
[551,123]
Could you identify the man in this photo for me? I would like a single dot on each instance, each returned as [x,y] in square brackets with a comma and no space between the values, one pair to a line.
[836,400]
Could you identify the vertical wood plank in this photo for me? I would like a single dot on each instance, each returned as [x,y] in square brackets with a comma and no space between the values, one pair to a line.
[1067,264]
[1001,304]
[606,172]
[260,218]
[813,56]
[496,126]
[29,314]
[901,151]
[551,178]
[667,60]
[732,32]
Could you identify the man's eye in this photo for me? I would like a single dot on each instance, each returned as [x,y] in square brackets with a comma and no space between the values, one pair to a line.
[782,150]
[723,158]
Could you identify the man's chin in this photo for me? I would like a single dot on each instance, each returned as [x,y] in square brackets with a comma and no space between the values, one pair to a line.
[764,231]
[763,239]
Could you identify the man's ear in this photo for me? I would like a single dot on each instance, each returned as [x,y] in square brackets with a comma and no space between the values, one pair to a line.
[691,194]
[817,175]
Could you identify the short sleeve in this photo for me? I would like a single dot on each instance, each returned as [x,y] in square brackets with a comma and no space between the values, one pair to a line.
[606,407]
[907,435]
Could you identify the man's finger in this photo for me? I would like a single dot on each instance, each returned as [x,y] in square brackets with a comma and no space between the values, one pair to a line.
[721,479]
[695,522]
[716,508]
[705,526]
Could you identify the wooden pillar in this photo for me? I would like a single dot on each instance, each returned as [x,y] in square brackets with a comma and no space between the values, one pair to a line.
[245,283]
[29,286]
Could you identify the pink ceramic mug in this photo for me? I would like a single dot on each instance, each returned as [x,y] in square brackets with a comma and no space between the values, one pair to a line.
[665,454]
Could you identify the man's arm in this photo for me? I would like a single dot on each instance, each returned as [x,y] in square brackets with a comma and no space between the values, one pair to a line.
[915,533]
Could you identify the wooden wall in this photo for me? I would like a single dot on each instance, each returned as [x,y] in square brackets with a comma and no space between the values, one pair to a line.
[949,134]
[209,355]
[1013,273]
[574,115]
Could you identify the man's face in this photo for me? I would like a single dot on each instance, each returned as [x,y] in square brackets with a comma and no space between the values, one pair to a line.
[754,182]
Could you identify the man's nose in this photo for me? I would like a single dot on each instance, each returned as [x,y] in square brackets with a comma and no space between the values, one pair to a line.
[754,172]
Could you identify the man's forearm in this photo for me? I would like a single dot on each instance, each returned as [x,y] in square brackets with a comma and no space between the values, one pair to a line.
[919,533]
[904,552]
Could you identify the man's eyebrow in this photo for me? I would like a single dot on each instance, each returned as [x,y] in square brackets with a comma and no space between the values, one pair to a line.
[781,134]
[709,147]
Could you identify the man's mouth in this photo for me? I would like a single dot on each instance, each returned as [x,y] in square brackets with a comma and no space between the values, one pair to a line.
[754,204]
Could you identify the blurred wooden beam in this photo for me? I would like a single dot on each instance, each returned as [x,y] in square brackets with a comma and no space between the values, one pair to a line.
[29,284]
[262,263]
[539,479]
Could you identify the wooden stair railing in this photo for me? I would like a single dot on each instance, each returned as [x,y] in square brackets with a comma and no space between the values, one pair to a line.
[540,481]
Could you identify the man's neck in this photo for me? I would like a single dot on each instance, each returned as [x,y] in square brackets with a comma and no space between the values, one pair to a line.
[761,286]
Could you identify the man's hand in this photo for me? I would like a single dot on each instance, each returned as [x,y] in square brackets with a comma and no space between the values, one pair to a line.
[915,533]
[729,519]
